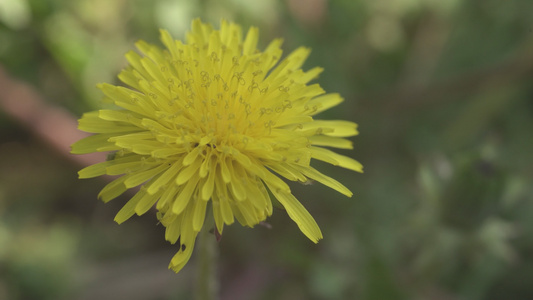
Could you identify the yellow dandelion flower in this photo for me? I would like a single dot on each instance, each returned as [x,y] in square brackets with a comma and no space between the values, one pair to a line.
[214,123]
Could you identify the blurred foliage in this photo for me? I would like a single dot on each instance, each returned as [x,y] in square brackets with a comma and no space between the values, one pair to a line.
[442,91]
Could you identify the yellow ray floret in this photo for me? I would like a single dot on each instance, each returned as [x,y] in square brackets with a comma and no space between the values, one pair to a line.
[214,124]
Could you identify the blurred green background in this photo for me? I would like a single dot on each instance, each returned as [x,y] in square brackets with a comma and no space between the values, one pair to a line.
[443,95]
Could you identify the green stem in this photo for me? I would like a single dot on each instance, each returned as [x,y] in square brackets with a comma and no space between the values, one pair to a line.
[207,279]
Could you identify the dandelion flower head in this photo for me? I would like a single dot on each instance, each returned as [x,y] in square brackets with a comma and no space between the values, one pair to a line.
[214,124]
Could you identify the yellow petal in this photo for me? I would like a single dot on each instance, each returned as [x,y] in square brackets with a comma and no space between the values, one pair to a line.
[328,141]
[199,215]
[173,230]
[208,186]
[312,173]
[128,210]
[168,196]
[187,172]
[93,170]
[165,177]
[336,159]
[298,214]
[187,240]
[146,202]
[140,177]
[185,195]
[322,103]
[130,164]
[93,143]
[250,43]
[219,222]
[336,128]
[91,122]
[113,189]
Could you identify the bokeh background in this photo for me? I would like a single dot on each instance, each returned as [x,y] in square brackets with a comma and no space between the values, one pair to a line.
[442,92]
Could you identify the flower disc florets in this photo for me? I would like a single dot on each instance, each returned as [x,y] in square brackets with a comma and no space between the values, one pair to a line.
[209,124]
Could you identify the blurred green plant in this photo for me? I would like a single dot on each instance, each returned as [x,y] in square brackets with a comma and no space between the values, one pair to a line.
[442,92]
